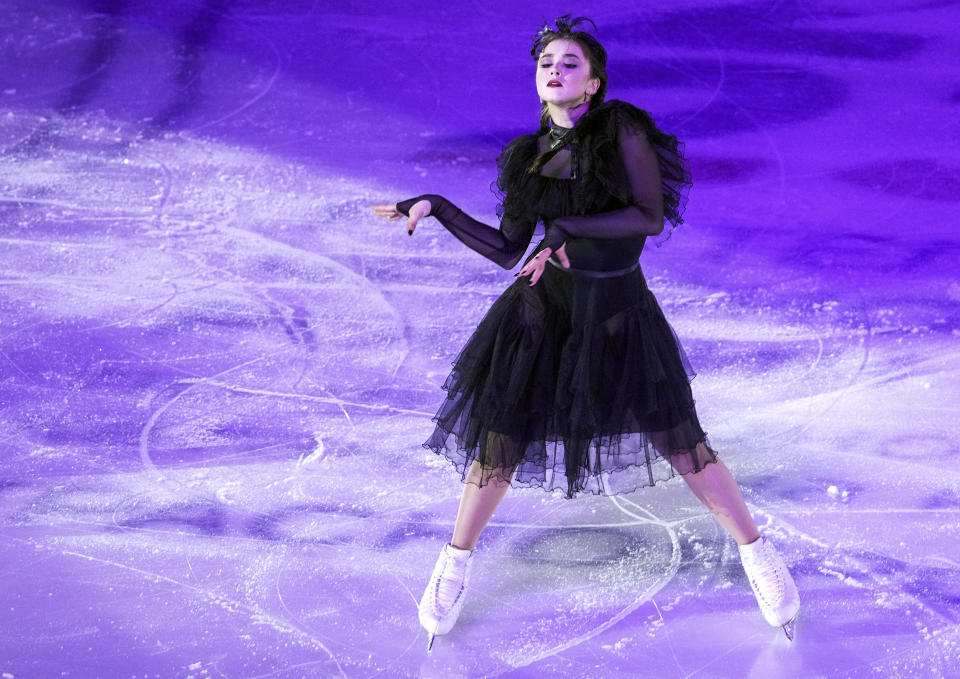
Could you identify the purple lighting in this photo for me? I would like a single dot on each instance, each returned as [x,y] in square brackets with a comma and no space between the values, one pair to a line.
[218,366]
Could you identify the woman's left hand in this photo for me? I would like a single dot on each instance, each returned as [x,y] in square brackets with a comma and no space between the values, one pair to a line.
[536,265]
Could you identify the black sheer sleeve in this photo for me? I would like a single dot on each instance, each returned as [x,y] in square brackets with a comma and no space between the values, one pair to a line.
[644,216]
[492,243]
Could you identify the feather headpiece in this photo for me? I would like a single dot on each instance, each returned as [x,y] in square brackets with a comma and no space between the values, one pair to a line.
[564,29]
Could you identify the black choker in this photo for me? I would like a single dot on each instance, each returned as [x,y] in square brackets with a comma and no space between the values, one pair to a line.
[558,134]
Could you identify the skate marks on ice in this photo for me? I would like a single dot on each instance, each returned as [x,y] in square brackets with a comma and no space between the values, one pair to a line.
[162,362]
[144,67]
[626,568]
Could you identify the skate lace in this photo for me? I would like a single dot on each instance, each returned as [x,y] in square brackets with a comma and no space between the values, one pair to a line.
[768,578]
[449,585]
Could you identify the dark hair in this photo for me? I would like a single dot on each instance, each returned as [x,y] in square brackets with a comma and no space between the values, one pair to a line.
[592,49]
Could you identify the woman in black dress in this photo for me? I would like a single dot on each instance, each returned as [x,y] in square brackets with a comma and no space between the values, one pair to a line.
[574,379]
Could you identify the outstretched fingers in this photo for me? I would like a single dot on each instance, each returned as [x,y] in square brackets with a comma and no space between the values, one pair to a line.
[388,210]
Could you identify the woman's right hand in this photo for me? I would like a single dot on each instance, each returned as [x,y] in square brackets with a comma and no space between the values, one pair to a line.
[418,211]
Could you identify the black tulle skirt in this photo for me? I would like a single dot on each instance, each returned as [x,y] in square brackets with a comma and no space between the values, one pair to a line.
[578,384]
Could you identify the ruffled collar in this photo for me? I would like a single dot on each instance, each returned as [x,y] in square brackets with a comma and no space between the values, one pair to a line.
[603,184]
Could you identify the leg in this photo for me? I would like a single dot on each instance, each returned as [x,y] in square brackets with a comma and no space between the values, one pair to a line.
[476,507]
[769,578]
[444,595]
[478,504]
[717,489]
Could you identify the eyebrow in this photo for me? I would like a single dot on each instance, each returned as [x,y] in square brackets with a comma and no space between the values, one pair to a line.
[549,54]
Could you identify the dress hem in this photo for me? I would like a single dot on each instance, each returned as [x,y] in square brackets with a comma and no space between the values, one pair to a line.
[551,488]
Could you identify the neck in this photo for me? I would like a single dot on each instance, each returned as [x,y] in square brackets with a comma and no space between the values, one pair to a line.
[567,117]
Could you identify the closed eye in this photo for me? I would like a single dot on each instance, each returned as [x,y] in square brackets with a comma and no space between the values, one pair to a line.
[567,65]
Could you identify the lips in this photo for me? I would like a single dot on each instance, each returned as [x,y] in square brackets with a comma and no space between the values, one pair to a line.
[554,83]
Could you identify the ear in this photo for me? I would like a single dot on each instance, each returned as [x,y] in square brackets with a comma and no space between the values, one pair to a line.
[593,85]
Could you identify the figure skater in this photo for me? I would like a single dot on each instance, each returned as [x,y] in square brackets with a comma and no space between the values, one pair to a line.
[574,379]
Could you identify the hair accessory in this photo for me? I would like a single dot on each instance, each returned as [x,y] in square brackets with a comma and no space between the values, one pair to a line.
[564,29]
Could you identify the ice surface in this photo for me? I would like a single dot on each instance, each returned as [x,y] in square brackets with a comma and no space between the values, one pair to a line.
[217,367]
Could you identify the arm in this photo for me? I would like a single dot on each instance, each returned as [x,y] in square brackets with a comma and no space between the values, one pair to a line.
[643,217]
[505,245]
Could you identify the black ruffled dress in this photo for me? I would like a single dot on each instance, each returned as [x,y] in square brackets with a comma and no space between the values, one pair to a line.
[576,383]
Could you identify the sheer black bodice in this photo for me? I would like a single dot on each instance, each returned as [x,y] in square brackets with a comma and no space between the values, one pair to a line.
[630,177]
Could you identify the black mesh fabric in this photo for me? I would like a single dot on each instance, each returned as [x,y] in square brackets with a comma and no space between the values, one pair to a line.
[577,383]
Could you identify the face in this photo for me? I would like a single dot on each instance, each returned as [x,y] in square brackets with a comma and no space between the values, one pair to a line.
[563,61]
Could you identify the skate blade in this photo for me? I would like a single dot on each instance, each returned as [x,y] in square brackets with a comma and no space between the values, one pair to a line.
[430,642]
[788,628]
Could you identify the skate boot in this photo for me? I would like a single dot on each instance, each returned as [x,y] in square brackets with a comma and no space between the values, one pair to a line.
[772,585]
[443,598]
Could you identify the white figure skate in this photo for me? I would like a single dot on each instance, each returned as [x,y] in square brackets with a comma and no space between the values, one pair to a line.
[443,598]
[772,584]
